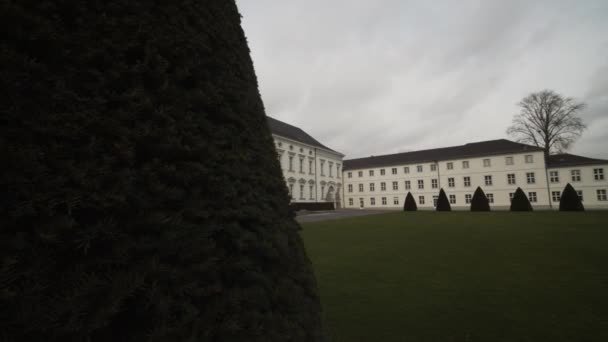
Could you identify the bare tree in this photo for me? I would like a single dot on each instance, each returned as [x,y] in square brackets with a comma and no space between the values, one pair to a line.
[548,120]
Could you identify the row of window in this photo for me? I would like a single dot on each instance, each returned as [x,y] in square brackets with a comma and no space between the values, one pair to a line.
[449,165]
[575,175]
[310,192]
[532,197]
[311,168]
[488,181]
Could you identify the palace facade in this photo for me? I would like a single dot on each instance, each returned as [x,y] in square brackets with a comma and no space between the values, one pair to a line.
[499,167]
[312,171]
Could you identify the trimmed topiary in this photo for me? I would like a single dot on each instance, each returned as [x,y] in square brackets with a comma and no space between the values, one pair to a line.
[480,202]
[443,204]
[410,203]
[520,201]
[142,199]
[570,201]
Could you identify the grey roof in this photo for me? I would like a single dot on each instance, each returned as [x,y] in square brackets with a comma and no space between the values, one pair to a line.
[294,133]
[471,150]
[565,159]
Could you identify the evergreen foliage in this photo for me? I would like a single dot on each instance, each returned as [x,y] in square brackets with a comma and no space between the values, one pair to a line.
[520,201]
[141,195]
[570,200]
[443,204]
[480,202]
[410,203]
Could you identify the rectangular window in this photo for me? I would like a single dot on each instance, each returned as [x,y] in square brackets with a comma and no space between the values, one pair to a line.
[383,200]
[351,202]
[350,175]
[490,198]
[408,185]
[301,165]
[465,164]
[598,174]
[322,168]
[467,198]
[420,184]
[331,169]
[372,186]
[382,172]
[529,159]
[360,173]
[580,194]
[310,168]
[419,168]
[434,183]
[554,176]
[530,178]
[383,186]
[435,199]
[488,180]
[338,173]
[433,167]
[555,195]
[372,201]
[350,188]
[467,181]
[395,185]
[452,199]
[291,191]
[511,178]
[311,191]
[371,173]
[511,196]
[396,200]
[451,182]
[532,197]
[360,187]
[450,166]
[487,163]
[576,175]
[394,170]
[406,169]
[301,191]
[601,194]
[509,160]
[421,199]
[291,163]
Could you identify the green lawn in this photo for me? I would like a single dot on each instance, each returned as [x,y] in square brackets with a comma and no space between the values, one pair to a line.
[463,276]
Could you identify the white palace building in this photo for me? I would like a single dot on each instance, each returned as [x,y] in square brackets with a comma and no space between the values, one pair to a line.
[316,173]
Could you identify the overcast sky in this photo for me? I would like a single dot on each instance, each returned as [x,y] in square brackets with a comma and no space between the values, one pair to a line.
[371,77]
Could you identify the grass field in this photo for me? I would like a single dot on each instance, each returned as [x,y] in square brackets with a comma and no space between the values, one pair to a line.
[463,276]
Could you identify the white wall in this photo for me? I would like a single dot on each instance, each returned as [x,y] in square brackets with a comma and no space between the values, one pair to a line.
[320,177]
[498,170]
[587,184]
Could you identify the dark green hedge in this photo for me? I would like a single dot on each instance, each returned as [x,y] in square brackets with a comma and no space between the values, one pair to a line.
[410,203]
[520,201]
[141,195]
[569,200]
[480,202]
[443,204]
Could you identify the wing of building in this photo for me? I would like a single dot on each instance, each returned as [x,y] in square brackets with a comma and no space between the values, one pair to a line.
[312,171]
[499,167]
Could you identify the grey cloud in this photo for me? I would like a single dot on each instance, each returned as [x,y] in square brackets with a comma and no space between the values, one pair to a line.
[375,77]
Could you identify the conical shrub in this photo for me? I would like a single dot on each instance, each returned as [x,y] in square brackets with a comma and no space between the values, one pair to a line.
[520,201]
[569,200]
[410,203]
[480,202]
[142,199]
[443,204]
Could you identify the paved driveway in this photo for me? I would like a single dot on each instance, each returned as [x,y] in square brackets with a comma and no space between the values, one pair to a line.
[337,214]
